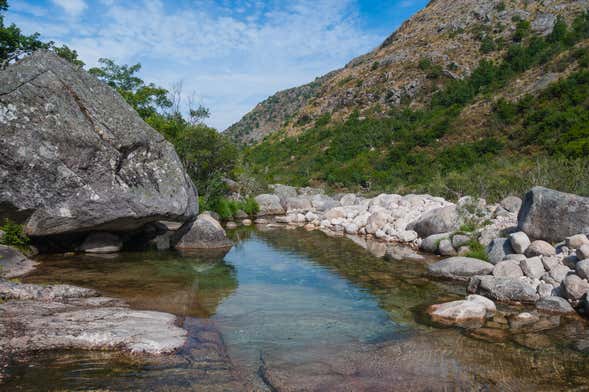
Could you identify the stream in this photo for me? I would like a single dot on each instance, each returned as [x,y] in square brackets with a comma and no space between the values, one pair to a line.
[296,310]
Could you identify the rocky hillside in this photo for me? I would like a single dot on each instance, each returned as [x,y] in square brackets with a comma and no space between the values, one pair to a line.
[445,41]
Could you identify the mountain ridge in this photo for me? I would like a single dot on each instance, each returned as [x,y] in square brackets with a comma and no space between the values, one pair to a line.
[446,40]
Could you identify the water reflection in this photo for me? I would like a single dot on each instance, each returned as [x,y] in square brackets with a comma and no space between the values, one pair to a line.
[185,284]
[310,312]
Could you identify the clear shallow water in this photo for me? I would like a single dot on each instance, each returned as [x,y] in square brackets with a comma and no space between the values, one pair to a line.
[299,310]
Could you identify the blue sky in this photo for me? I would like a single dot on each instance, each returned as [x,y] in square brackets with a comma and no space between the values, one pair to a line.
[228,54]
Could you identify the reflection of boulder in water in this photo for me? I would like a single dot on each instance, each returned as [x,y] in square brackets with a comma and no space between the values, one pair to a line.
[185,284]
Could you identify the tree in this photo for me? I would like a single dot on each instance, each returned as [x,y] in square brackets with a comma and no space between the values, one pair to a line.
[70,55]
[13,43]
[146,99]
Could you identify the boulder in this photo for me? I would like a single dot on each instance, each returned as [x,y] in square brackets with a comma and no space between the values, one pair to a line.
[431,243]
[323,203]
[575,288]
[350,228]
[205,233]
[576,241]
[439,220]
[556,305]
[508,269]
[532,267]
[545,290]
[540,248]
[516,257]
[511,204]
[559,272]
[269,205]
[469,313]
[335,213]
[504,289]
[101,242]
[583,252]
[552,216]
[498,249]
[519,242]
[13,263]
[92,162]
[348,199]
[550,262]
[582,268]
[459,240]
[376,222]
[231,225]
[460,268]
[283,192]
[298,204]
[446,248]
[407,236]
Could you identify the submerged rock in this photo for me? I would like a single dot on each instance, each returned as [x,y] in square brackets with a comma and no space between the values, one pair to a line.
[552,216]
[205,233]
[37,317]
[102,243]
[93,163]
[469,313]
[460,268]
[504,289]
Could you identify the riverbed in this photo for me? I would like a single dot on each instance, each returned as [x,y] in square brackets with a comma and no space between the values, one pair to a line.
[297,310]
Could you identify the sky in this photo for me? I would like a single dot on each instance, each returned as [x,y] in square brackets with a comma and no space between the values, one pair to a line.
[228,55]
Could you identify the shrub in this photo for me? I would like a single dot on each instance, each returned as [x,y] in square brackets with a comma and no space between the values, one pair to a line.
[250,206]
[14,235]
[477,251]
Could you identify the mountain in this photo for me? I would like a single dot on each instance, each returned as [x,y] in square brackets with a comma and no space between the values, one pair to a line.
[444,41]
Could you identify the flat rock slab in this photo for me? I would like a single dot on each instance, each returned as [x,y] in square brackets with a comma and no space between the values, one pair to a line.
[460,268]
[69,317]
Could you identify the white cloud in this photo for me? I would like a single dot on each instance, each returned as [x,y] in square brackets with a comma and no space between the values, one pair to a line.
[233,54]
[72,7]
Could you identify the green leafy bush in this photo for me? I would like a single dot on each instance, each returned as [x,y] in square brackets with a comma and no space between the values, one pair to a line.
[14,235]
[477,251]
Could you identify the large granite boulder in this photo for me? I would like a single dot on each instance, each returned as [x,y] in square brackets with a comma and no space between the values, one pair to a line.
[552,216]
[205,233]
[439,220]
[75,157]
[269,205]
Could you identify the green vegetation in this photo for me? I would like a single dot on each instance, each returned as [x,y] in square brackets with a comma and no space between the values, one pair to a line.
[14,235]
[530,142]
[14,44]
[477,251]
[227,209]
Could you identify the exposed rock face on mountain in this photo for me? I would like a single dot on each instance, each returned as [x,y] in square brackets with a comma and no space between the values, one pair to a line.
[443,41]
[75,157]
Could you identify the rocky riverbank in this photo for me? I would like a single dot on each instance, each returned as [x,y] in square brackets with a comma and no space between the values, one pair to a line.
[46,317]
[531,251]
